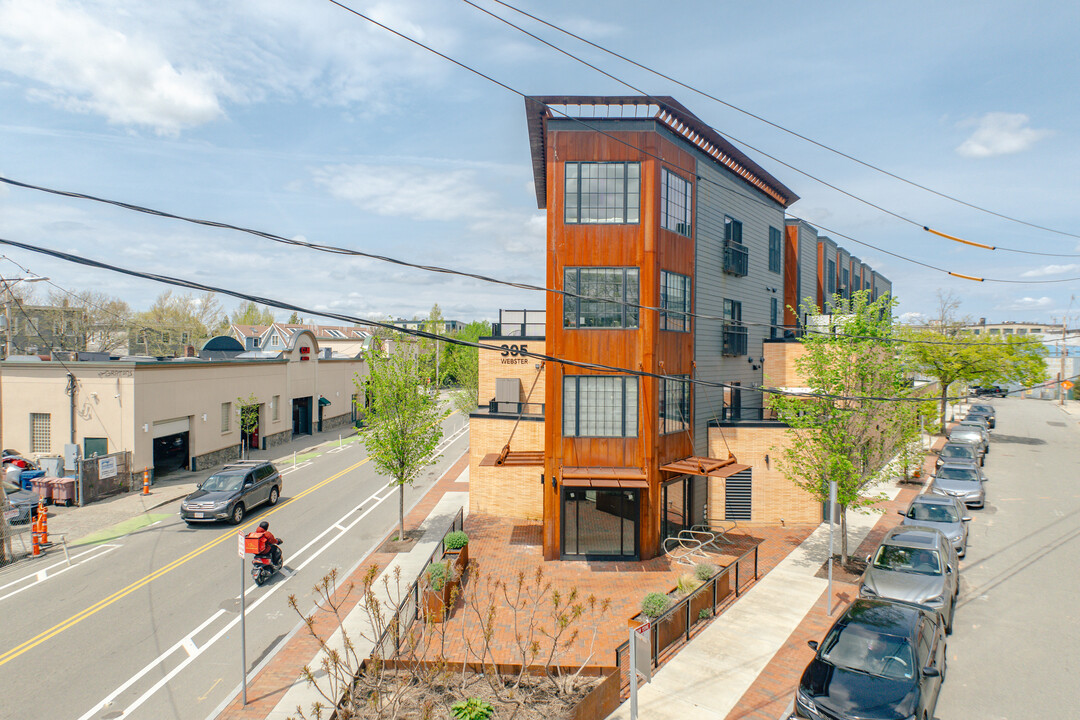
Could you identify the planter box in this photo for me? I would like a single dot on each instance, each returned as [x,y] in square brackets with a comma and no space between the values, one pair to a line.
[723,587]
[460,556]
[437,603]
[701,599]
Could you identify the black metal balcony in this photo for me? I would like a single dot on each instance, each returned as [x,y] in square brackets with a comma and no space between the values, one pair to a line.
[736,259]
[734,339]
[516,408]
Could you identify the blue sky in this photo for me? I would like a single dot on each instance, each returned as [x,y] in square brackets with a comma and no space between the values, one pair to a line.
[294,117]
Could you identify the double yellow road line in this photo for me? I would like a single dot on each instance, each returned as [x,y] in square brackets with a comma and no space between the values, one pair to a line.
[120,594]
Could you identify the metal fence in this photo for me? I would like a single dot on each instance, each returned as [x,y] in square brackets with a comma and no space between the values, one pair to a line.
[681,621]
[15,542]
[104,475]
[398,624]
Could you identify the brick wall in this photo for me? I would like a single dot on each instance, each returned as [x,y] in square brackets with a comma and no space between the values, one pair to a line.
[494,365]
[774,497]
[506,491]
[779,367]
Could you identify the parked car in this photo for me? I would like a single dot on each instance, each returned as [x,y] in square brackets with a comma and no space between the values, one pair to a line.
[965,482]
[960,452]
[19,461]
[971,433]
[880,659]
[941,512]
[25,501]
[232,491]
[991,390]
[915,564]
[984,411]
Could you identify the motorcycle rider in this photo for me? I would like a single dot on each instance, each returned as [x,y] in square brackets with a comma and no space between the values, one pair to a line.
[271,542]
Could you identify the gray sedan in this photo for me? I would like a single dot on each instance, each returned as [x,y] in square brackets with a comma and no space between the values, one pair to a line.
[941,512]
[972,434]
[24,501]
[963,482]
[957,452]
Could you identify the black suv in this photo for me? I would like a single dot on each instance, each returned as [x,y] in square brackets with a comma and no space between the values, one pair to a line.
[881,660]
[233,490]
[991,390]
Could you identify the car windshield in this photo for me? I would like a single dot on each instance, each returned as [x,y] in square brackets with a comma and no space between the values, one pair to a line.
[981,409]
[223,483]
[964,451]
[927,512]
[10,487]
[857,647]
[905,559]
[958,473]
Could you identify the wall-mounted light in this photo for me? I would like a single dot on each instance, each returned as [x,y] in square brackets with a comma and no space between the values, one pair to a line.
[750,360]
[204,417]
[145,428]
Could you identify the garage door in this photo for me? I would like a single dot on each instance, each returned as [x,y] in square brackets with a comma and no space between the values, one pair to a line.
[171,427]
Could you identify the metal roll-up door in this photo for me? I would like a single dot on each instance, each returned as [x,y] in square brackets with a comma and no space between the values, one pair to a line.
[171,427]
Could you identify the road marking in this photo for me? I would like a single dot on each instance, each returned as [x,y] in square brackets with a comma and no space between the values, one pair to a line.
[42,575]
[120,594]
[192,655]
[207,693]
[190,646]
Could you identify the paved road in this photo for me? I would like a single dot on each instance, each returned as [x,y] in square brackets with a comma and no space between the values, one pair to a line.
[147,625]
[1015,650]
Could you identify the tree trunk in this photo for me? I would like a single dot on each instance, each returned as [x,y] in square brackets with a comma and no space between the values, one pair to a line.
[843,536]
[944,403]
[401,511]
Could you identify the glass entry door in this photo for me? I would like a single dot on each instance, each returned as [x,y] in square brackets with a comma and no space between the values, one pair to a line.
[684,504]
[600,524]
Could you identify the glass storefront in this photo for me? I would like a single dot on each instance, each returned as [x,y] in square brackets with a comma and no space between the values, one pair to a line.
[599,524]
[684,501]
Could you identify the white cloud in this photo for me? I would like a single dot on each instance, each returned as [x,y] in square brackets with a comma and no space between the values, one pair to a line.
[1051,270]
[84,65]
[999,133]
[1028,303]
[914,318]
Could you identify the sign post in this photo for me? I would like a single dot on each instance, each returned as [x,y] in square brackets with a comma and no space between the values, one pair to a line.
[243,612]
[640,661]
[832,514]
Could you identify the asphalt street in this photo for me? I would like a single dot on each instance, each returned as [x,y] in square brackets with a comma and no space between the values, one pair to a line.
[147,625]
[1015,648]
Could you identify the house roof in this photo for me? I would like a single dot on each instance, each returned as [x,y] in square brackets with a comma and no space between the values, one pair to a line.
[665,110]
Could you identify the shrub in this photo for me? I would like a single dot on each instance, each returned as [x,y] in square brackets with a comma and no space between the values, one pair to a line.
[687,584]
[472,709]
[654,604]
[455,540]
[703,614]
[437,575]
[704,571]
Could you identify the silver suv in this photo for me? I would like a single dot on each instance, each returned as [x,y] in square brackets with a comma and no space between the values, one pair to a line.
[232,491]
[941,512]
[915,565]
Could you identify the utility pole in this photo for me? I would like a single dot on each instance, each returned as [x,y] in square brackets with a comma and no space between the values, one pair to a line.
[1061,352]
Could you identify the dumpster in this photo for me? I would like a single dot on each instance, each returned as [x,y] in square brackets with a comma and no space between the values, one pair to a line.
[63,491]
[43,487]
[29,475]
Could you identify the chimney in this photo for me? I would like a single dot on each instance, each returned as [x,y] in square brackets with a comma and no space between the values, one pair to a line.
[982,321]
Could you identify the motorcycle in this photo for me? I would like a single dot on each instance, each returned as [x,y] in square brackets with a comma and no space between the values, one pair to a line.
[263,565]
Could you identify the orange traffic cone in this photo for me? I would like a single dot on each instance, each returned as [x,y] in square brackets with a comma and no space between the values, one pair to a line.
[35,533]
[43,522]
[146,481]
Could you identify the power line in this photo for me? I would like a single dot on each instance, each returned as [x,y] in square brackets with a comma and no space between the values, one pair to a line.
[599,367]
[788,130]
[333,249]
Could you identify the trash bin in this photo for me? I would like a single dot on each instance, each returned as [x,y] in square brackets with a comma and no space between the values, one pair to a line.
[63,491]
[28,476]
[43,488]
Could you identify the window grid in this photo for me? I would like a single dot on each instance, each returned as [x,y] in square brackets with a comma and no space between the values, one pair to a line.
[675,300]
[732,230]
[40,432]
[608,193]
[595,406]
[832,278]
[676,203]
[674,404]
[276,403]
[226,416]
[775,249]
[615,285]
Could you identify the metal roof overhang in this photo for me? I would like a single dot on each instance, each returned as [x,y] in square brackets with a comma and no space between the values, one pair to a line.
[711,467]
[521,458]
[623,478]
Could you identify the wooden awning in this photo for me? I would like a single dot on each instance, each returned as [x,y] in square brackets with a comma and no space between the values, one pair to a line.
[605,483]
[604,473]
[711,467]
[520,458]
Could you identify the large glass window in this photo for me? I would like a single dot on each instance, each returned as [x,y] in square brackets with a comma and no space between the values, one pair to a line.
[732,229]
[602,192]
[599,406]
[599,523]
[616,290]
[675,300]
[676,203]
[776,245]
[675,404]
[830,281]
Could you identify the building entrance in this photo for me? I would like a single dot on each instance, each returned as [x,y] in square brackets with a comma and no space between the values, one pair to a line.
[301,416]
[600,524]
[684,504]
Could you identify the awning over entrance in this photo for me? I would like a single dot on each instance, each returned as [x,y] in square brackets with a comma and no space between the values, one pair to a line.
[711,467]
[604,477]
[323,402]
[519,458]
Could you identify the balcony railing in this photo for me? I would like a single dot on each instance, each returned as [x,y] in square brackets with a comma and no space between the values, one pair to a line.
[735,414]
[736,259]
[515,408]
[734,339]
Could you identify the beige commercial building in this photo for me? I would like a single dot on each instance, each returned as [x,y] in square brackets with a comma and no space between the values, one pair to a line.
[175,413]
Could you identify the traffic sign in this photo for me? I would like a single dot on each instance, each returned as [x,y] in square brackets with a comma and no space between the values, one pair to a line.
[240,539]
[642,643]
[11,514]
[1067,385]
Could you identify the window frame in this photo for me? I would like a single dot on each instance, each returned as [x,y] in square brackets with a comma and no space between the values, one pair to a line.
[733,230]
[674,388]
[226,417]
[37,433]
[629,314]
[672,185]
[627,415]
[675,319]
[776,250]
[774,317]
[630,211]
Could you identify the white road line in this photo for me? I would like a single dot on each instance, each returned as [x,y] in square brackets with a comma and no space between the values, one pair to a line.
[190,646]
[42,575]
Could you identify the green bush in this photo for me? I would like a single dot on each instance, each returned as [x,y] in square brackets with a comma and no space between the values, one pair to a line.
[703,614]
[472,709]
[654,604]
[687,584]
[437,575]
[704,571]
[455,540]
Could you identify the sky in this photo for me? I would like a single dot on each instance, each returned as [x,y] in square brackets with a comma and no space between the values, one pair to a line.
[298,118]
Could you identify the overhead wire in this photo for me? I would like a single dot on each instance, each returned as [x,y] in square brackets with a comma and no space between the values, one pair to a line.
[334,249]
[796,134]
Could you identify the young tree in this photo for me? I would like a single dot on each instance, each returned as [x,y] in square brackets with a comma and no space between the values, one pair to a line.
[432,350]
[463,367]
[839,433]
[295,319]
[251,314]
[249,419]
[403,419]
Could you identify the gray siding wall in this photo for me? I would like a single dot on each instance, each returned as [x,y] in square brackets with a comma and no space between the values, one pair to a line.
[728,197]
[830,254]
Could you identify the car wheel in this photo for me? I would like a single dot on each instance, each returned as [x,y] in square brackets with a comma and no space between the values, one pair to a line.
[273,496]
[238,514]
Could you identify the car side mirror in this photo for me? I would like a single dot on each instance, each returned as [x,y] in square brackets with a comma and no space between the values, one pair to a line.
[965,519]
[869,560]
[247,482]
[930,672]
[813,644]
[899,512]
